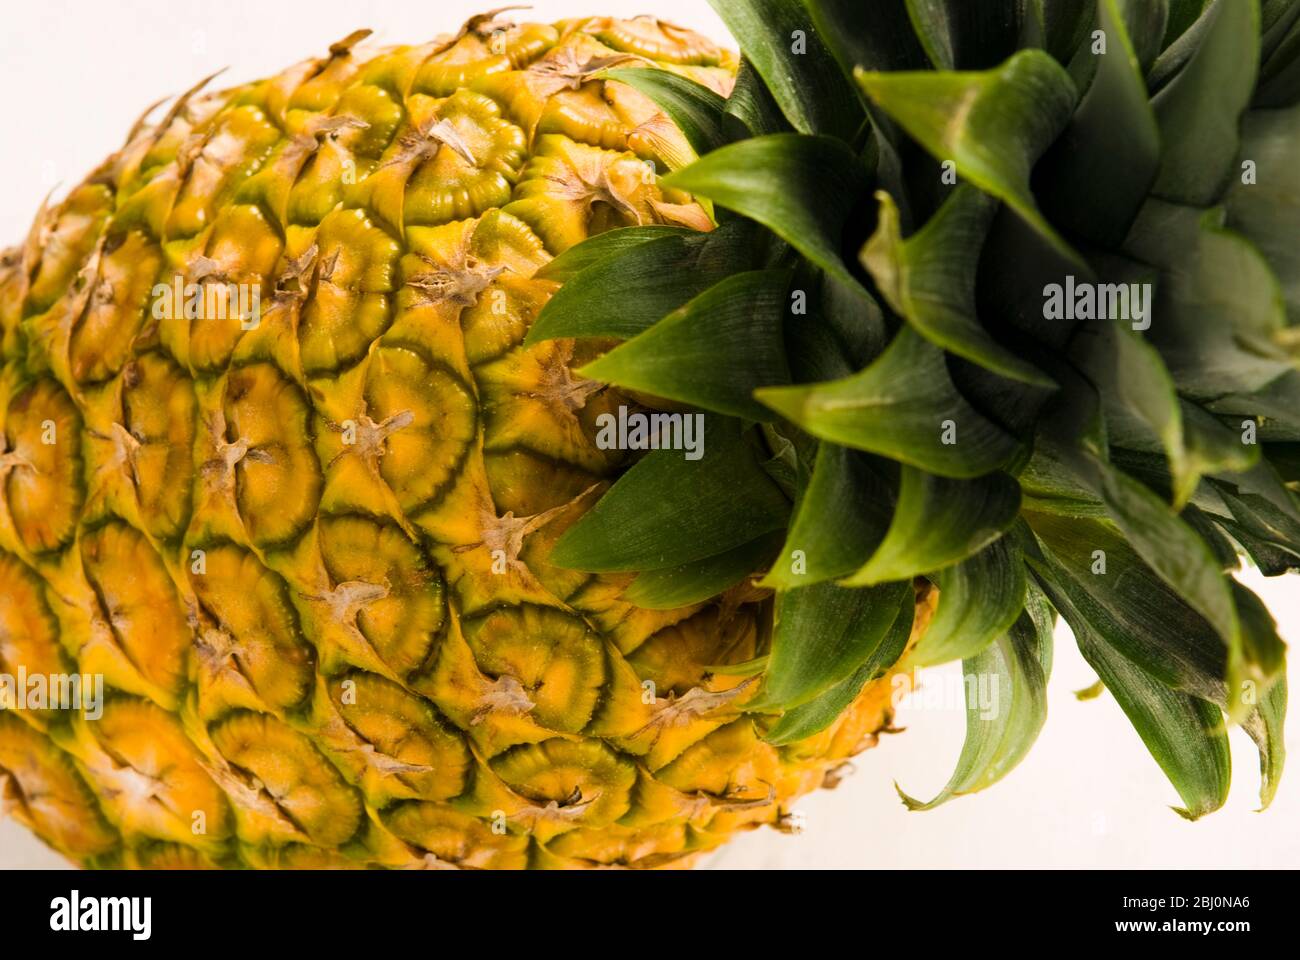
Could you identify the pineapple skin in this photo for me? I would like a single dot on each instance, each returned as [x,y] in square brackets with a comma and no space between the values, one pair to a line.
[308,555]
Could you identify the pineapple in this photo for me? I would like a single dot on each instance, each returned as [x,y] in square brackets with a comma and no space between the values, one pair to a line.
[307,394]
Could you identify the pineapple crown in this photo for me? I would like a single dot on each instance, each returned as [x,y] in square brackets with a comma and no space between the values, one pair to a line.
[1002,295]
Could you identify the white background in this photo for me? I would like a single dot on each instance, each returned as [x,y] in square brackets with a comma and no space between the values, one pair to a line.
[76,75]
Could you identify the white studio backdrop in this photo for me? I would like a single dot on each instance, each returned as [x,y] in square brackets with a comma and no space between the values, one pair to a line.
[1088,795]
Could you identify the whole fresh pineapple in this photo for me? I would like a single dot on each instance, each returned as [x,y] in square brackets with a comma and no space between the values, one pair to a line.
[323,444]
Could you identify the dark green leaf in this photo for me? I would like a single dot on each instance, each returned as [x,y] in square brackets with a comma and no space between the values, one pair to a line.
[1182,14]
[1100,584]
[1264,651]
[939,522]
[1138,395]
[959,35]
[999,733]
[1276,18]
[1279,77]
[696,582]
[1209,530]
[1184,734]
[1178,49]
[840,519]
[611,243]
[902,406]
[1271,559]
[842,330]
[876,36]
[802,188]
[1219,317]
[778,37]
[1262,508]
[856,320]
[1213,447]
[1200,110]
[751,108]
[628,292]
[1048,486]
[667,510]
[1267,210]
[739,321]
[993,125]
[979,599]
[1275,407]
[1058,26]
[1145,21]
[1183,560]
[1016,267]
[823,634]
[929,279]
[1094,179]
[825,708]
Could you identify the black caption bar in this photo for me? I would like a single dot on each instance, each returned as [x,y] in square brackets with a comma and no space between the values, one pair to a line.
[963,908]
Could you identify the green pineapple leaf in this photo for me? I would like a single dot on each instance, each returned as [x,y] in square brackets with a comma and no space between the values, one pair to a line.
[1201,108]
[877,36]
[903,405]
[992,125]
[801,188]
[750,109]
[823,634]
[1267,210]
[1013,668]
[624,293]
[1183,560]
[1099,583]
[695,582]
[929,279]
[1182,15]
[1096,176]
[1140,401]
[611,243]
[1184,733]
[958,35]
[1146,21]
[821,711]
[1279,78]
[740,319]
[1058,26]
[790,56]
[1262,508]
[840,519]
[939,521]
[667,510]
[979,599]
[1219,317]
[1266,726]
